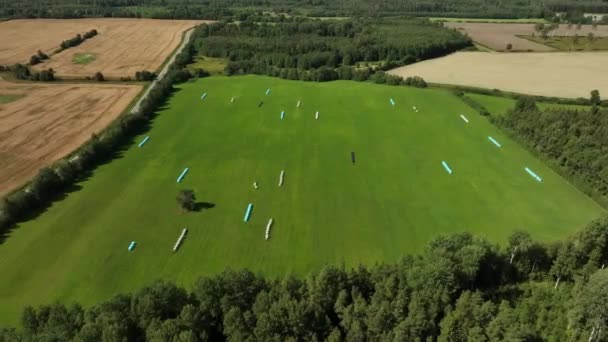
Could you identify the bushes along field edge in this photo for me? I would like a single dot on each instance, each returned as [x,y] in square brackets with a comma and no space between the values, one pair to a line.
[54,181]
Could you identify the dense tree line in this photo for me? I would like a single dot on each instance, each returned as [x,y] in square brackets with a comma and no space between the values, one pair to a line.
[53,181]
[77,40]
[325,50]
[460,288]
[575,141]
[23,72]
[219,9]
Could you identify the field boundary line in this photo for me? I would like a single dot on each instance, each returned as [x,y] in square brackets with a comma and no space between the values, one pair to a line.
[552,165]
[165,69]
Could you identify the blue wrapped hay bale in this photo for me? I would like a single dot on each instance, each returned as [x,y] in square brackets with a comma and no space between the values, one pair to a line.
[447,167]
[182,175]
[534,175]
[248,212]
[144,141]
[494,142]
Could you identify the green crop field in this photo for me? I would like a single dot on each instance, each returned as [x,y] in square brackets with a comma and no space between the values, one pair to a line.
[500,105]
[392,201]
[9,98]
[83,58]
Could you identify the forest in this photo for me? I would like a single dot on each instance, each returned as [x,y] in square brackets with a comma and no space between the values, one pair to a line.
[314,50]
[575,141]
[221,9]
[461,288]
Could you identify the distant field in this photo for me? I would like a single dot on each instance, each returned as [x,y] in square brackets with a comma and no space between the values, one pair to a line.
[488,20]
[572,44]
[499,105]
[391,201]
[123,46]
[560,74]
[214,66]
[46,122]
[497,35]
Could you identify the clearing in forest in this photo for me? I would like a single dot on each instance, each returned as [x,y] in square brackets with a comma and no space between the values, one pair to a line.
[560,74]
[363,183]
[45,122]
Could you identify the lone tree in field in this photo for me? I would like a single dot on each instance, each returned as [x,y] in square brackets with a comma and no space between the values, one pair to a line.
[595,97]
[186,200]
[509,47]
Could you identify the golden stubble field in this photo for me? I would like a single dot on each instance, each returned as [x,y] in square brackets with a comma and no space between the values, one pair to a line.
[496,36]
[561,74]
[50,121]
[123,46]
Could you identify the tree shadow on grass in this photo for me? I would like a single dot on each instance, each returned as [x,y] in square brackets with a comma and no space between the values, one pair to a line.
[200,206]
[115,151]
[37,210]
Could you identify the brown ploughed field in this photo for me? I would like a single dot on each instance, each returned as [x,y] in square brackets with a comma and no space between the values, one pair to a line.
[122,47]
[496,36]
[50,121]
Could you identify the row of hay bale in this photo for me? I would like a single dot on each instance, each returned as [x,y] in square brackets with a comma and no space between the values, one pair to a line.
[499,145]
[178,243]
[282,115]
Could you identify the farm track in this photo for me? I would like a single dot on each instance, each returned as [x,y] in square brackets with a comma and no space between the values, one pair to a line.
[163,72]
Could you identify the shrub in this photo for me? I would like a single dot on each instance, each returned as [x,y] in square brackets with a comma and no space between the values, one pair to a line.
[99,77]
[415,81]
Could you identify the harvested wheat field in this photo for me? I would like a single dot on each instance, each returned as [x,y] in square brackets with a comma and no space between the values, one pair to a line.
[20,39]
[122,47]
[561,74]
[47,122]
[496,36]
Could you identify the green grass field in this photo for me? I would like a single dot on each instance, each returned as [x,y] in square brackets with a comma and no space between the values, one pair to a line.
[394,200]
[500,105]
[83,58]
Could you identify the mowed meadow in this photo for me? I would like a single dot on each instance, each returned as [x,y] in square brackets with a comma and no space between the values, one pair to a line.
[392,201]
